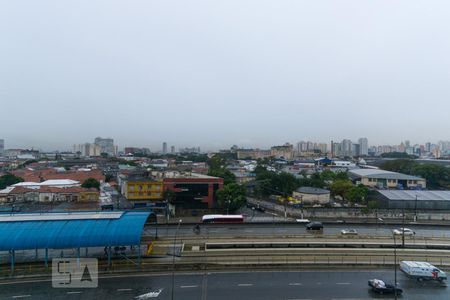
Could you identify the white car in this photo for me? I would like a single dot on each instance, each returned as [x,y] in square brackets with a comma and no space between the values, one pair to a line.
[405,231]
[349,232]
[303,221]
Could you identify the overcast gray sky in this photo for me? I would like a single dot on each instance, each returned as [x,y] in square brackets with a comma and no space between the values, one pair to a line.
[217,73]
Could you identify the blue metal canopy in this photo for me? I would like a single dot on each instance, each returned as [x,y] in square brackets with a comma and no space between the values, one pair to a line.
[70,230]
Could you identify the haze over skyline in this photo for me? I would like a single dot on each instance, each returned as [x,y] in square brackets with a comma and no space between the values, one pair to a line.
[209,74]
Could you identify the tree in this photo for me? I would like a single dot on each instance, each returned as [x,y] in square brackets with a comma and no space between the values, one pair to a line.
[91,183]
[231,197]
[227,176]
[397,155]
[274,183]
[340,187]
[328,175]
[356,194]
[317,180]
[9,179]
[216,162]
[399,165]
[108,177]
[169,196]
[438,177]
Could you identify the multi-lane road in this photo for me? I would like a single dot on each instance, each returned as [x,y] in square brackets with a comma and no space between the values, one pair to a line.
[308,284]
[273,230]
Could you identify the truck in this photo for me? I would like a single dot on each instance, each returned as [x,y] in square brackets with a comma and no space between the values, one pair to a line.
[422,271]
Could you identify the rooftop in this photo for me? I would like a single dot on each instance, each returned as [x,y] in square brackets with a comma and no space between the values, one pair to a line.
[95,215]
[70,230]
[408,195]
[176,174]
[382,174]
[312,190]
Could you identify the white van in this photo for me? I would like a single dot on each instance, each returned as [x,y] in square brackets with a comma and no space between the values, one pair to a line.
[422,271]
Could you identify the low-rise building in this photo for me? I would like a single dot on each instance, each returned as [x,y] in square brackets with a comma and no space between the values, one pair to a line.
[312,195]
[387,179]
[286,151]
[48,194]
[414,200]
[141,188]
[252,153]
[191,190]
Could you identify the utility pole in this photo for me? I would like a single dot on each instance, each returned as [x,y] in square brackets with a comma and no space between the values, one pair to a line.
[173,258]
[395,268]
[415,210]
[403,226]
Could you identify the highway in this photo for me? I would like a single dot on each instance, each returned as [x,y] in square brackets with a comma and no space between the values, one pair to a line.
[277,229]
[308,284]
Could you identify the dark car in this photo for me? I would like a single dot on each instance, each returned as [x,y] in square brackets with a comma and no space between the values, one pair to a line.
[260,208]
[380,287]
[314,226]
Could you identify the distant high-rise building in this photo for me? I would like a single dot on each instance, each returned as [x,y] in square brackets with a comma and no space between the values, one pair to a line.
[2,147]
[106,145]
[355,149]
[164,148]
[172,149]
[363,147]
[346,148]
[336,149]
[87,149]
[428,147]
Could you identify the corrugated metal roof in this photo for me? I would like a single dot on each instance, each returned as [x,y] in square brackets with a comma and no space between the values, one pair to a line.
[408,195]
[60,234]
[382,174]
[64,216]
[312,190]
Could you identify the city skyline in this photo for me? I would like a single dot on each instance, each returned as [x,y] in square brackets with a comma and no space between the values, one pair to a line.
[115,147]
[260,73]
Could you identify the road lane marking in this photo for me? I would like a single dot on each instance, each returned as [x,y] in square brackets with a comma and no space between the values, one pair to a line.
[295,283]
[188,286]
[70,293]
[124,290]
[21,296]
[245,284]
[154,294]
[343,283]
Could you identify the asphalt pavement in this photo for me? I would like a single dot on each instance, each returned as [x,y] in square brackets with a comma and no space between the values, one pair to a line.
[277,229]
[307,284]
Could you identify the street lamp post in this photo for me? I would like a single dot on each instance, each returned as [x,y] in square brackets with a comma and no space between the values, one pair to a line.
[415,210]
[173,257]
[395,268]
[403,226]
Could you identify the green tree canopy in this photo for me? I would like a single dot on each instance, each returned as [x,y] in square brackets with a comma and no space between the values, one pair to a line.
[274,183]
[231,197]
[227,176]
[9,179]
[356,194]
[437,176]
[341,187]
[91,183]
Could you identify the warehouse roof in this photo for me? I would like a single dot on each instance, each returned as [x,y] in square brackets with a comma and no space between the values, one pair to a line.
[70,230]
[382,174]
[312,190]
[408,195]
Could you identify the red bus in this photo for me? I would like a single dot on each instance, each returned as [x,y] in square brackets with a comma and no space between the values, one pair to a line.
[223,219]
